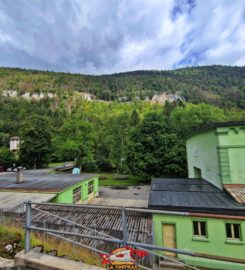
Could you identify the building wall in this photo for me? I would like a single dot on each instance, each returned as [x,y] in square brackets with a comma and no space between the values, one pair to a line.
[231,153]
[14,145]
[202,157]
[66,196]
[215,244]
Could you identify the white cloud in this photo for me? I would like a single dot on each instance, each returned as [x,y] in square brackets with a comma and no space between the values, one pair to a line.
[105,36]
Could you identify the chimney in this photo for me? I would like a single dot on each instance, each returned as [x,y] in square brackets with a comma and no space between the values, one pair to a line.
[19,175]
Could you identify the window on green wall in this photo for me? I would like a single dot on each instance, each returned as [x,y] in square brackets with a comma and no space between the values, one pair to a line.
[90,187]
[233,231]
[200,228]
[77,195]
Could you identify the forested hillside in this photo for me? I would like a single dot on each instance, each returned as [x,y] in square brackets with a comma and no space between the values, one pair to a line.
[136,137]
[223,86]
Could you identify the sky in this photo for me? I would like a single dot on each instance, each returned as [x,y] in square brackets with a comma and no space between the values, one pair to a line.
[109,36]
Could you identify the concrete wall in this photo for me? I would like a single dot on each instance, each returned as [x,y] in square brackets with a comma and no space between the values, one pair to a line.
[215,244]
[202,155]
[66,196]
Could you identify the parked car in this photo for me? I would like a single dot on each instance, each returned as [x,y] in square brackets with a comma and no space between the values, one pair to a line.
[3,169]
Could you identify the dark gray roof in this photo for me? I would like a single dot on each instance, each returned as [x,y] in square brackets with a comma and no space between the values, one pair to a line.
[102,219]
[41,181]
[191,195]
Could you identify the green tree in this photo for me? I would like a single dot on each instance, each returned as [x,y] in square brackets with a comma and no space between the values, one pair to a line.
[153,151]
[190,117]
[36,147]
[7,158]
[76,141]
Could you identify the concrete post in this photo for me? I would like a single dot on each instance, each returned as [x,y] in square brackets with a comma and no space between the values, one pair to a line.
[124,227]
[19,175]
[27,227]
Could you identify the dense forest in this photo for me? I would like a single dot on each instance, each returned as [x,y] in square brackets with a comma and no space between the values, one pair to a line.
[128,137]
[223,86]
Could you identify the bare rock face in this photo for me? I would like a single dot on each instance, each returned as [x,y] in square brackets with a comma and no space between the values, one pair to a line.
[163,97]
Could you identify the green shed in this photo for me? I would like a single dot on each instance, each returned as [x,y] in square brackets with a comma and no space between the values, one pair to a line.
[68,188]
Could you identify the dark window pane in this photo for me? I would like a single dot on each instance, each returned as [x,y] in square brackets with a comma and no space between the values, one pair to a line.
[203,228]
[91,187]
[228,230]
[77,195]
[236,231]
[195,227]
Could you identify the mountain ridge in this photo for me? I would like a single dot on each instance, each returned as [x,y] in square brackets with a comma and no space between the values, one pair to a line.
[223,86]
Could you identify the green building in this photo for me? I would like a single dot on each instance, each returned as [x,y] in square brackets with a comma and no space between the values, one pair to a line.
[65,188]
[205,213]
[217,153]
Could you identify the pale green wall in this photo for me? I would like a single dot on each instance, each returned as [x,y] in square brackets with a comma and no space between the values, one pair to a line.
[202,154]
[66,196]
[215,244]
[232,154]
[220,154]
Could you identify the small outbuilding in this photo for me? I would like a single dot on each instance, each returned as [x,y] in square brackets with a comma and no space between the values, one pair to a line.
[61,188]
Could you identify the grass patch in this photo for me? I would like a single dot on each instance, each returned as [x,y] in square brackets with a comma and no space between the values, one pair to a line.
[113,179]
[59,164]
[9,234]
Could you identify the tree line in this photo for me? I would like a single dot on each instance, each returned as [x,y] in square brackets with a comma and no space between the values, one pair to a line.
[134,137]
[222,86]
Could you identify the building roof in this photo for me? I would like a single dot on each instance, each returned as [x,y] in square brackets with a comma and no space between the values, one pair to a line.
[106,220]
[217,125]
[13,201]
[191,195]
[14,138]
[41,181]
[237,191]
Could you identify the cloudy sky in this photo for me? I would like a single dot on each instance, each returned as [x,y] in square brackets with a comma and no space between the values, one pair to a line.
[107,36]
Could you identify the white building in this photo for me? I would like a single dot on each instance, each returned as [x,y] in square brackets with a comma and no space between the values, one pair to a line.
[14,143]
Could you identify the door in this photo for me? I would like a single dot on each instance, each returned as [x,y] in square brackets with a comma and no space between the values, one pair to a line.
[169,238]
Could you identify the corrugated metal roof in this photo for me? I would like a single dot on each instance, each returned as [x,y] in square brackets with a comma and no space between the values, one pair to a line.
[106,221]
[237,191]
[196,195]
[40,181]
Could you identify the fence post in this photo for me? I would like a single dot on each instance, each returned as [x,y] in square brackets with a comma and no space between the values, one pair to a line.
[27,227]
[124,227]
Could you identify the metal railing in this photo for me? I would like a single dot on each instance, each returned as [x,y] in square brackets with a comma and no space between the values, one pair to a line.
[107,238]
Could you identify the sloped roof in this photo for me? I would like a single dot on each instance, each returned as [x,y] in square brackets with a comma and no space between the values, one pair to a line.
[40,181]
[192,195]
[13,201]
[237,191]
[14,138]
[86,219]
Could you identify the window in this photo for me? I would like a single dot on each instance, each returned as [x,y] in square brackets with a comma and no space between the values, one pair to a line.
[199,228]
[77,195]
[197,172]
[233,231]
[90,187]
